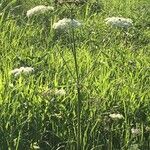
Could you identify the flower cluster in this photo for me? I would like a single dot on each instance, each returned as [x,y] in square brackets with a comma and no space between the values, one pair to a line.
[77,2]
[135,131]
[1,12]
[39,10]
[24,70]
[56,92]
[66,23]
[116,116]
[60,92]
[119,22]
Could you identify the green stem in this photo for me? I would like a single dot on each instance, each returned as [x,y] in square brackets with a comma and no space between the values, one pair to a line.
[74,52]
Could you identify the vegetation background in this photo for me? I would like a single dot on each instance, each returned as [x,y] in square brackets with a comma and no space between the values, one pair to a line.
[114,70]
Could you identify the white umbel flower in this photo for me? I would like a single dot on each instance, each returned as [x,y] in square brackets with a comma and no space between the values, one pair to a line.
[11,85]
[60,92]
[66,23]
[135,131]
[39,10]
[24,70]
[57,92]
[116,116]
[119,22]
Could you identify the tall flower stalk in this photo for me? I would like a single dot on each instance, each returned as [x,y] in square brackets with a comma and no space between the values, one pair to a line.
[65,25]
[78,87]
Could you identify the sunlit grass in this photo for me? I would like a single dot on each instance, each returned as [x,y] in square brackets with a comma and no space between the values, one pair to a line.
[113,72]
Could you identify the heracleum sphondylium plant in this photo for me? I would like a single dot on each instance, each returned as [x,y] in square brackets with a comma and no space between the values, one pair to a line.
[56,92]
[69,24]
[115,116]
[22,70]
[41,9]
[120,23]
[66,23]
[136,131]
[120,75]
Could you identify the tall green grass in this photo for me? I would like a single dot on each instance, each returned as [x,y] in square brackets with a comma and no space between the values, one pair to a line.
[113,72]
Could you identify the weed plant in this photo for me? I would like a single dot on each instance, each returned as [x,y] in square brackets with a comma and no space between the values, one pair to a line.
[103,71]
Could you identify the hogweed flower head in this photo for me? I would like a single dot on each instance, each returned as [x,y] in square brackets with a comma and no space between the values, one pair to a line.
[56,92]
[60,92]
[11,85]
[116,116]
[66,23]
[135,131]
[119,22]
[39,10]
[24,70]
[147,129]
[76,2]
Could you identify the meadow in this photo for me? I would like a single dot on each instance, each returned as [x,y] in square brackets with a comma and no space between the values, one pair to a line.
[86,88]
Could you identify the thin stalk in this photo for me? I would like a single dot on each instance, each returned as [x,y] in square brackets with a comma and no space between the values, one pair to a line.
[61,54]
[78,92]
[74,52]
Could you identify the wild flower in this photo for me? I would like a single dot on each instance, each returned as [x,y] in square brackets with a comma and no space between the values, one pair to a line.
[60,92]
[66,23]
[35,146]
[135,131]
[147,129]
[11,85]
[24,70]
[134,147]
[77,2]
[39,10]
[57,92]
[119,22]
[47,92]
[116,116]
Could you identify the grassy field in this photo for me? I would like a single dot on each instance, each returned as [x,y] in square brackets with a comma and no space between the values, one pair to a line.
[60,107]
